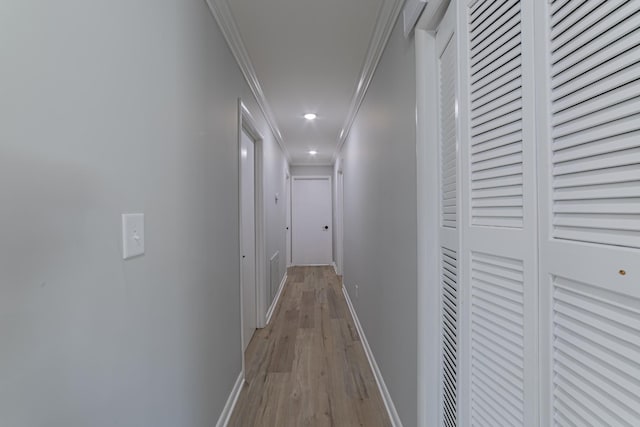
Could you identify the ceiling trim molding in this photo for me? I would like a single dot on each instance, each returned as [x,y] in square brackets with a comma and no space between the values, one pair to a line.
[311,164]
[385,22]
[222,13]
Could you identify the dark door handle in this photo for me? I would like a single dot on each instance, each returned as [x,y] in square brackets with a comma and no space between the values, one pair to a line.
[244,256]
[326,227]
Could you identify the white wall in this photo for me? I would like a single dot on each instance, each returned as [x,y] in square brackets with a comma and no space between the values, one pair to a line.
[379,166]
[111,107]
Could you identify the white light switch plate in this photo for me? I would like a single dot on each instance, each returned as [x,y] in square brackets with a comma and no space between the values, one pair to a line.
[132,235]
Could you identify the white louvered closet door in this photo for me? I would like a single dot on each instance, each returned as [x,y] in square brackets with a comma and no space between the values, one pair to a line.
[449,213]
[589,53]
[498,222]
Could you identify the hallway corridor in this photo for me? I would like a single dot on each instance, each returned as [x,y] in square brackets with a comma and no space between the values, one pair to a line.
[308,366]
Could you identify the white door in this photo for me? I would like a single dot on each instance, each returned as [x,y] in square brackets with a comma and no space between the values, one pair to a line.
[498,152]
[590,212]
[288,218]
[340,222]
[449,188]
[248,237]
[311,221]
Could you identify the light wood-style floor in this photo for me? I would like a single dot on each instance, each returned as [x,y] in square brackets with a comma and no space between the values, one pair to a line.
[308,367]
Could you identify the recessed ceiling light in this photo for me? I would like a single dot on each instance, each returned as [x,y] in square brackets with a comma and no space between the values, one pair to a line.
[313,152]
[310,116]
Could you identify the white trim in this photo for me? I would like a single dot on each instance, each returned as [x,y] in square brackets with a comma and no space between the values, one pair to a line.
[385,22]
[225,415]
[338,209]
[428,371]
[384,392]
[287,216]
[312,177]
[432,15]
[274,304]
[222,13]
[248,124]
[311,164]
[335,268]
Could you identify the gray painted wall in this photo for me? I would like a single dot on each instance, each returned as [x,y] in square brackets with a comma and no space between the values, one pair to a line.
[275,177]
[379,166]
[105,108]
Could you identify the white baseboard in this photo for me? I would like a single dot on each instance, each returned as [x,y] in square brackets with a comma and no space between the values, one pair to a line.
[274,304]
[231,402]
[335,268]
[384,392]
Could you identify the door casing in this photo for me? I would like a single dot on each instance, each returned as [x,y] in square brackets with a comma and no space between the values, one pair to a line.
[247,124]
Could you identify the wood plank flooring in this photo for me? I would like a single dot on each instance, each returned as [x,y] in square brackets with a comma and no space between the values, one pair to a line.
[308,367]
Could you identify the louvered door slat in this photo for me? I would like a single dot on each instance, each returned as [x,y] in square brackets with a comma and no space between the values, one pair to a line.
[502,108]
[605,206]
[587,46]
[497,192]
[512,181]
[502,360]
[561,14]
[501,151]
[590,91]
[506,111]
[589,133]
[498,33]
[496,114]
[497,161]
[510,93]
[480,149]
[497,327]
[622,174]
[591,149]
[448,139]
[582,19]
[486,14]
[449,292]
[480,75]
[607,121]
[608,91]
[595,100]
[627,387]
[492,82]
[558,5]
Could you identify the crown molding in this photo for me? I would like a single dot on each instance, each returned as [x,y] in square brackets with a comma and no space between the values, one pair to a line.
[389,12]
[222,13]
[293,165]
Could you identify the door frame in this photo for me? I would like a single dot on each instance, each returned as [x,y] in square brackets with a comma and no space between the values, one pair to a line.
[287,207]
[247,124]
[427,174]
[339,221]
[293,178]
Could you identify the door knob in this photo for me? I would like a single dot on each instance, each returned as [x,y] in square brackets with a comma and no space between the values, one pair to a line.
[326,227]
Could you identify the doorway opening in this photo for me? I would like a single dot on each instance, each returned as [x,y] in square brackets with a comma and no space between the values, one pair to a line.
[250,229]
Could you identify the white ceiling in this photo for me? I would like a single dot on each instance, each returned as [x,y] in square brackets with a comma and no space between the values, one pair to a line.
[308,56]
